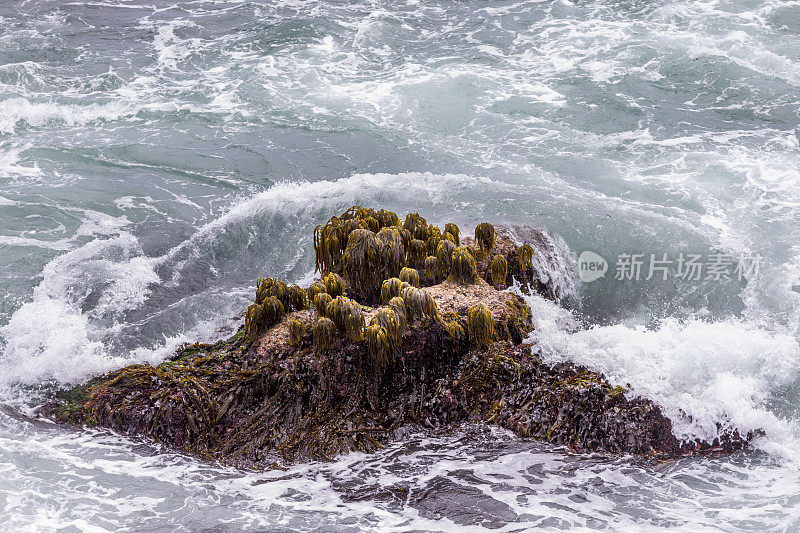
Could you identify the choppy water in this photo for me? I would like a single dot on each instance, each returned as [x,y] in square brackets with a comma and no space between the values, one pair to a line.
[157,157]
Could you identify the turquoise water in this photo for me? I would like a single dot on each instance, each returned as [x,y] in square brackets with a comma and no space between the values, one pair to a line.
[158,157]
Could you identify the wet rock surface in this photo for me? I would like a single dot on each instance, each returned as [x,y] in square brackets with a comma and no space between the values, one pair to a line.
[311,376]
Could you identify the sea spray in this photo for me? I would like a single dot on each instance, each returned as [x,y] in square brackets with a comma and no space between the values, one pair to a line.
[708,376]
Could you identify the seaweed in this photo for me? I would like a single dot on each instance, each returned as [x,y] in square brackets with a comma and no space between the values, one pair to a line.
[393,251]
[434,238]
[431,269]
[318,287]
[321,302]
[452,230]
[416,225]
[297,330]
[481,325]
[399,306]
[444,258]
[498,270]
[387,218]
[524,256]
[384,337]
[390,288]
[259,318]
[377,341]
[485,236]
[455,330]
[416,253]
[263,287]
[419,304]
[464,268]
[410,276]
[363,263]
[280,291]
[324,333]
[348,317]
[334,284]
[296,298]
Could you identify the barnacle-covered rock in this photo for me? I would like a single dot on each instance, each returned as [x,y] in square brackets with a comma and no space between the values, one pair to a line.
[442,352]
[538,261]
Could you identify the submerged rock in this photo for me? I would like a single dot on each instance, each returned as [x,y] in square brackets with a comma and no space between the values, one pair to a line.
[407,325]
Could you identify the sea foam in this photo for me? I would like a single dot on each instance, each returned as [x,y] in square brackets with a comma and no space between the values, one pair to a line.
[707,376]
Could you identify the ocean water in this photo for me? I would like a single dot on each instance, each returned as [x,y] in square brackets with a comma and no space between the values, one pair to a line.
[156,158]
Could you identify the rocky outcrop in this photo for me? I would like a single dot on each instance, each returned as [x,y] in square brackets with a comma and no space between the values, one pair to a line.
[407,325]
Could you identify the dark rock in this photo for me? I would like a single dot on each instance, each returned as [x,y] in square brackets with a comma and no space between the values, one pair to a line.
[256,402]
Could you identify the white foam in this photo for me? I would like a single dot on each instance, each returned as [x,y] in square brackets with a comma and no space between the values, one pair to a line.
[39,114]
[9,163]
[775,180]
[775,298]
[49,339]
[701,373]
[170,48]
[740,47]
[13,240]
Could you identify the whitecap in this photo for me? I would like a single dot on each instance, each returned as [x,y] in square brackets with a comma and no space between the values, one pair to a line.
[707,376]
